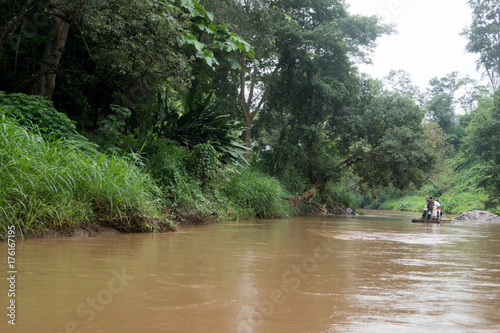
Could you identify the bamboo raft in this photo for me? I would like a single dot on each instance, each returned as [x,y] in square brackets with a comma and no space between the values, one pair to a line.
[432,220]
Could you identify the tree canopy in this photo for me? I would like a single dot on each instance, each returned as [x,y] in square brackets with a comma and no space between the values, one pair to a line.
[321,30]
[482,37]
[208,82]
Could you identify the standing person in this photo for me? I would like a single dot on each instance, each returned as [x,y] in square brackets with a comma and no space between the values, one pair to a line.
[430,204]
[437,202]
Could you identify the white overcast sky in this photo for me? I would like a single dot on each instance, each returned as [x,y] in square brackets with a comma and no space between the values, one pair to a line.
[427,43]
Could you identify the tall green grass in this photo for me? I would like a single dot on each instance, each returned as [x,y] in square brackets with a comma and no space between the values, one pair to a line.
[169,164]
[260,194]
[55,185]
[334,194]
[460,202]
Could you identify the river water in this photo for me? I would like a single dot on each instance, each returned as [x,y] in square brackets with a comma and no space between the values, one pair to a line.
[371,273]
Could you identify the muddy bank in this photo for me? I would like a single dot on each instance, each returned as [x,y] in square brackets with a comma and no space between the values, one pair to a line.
[478,215]
[184,219]
[87,231]
[84,231]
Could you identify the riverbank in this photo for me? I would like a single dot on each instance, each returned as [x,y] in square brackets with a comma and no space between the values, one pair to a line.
[93,230]
[452,202]
[88,231]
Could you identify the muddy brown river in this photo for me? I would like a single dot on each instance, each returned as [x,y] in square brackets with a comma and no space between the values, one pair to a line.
[372,273]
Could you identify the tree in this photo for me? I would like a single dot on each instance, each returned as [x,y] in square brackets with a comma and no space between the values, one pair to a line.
[382,139]
[256,21]
[45,80]
[308,91]
[134,42]
[88,55]
[317,133]
[483,37]
[442,103]
[16,15]
[400,81]
[483,142]
[435,141]
[321,27]
[472,93]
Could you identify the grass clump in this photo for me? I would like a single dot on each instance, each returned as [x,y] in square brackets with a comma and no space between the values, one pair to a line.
[336,194]
[460,202]
[53,184]
[259,193]
[169,165]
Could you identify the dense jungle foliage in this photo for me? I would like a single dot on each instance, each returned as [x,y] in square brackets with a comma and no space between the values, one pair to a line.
[143,114]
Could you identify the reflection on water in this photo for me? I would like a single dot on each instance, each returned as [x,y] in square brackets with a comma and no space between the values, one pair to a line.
[374,273]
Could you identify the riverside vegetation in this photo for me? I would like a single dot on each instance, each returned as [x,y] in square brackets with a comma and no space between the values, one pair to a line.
[59,180]
[467,177]
[144,115]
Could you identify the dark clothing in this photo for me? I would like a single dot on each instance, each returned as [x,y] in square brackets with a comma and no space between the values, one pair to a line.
[430,204]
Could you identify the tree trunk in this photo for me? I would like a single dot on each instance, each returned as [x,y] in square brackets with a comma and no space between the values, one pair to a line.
[246,135]
[46,82]
[247,103]
[310,161]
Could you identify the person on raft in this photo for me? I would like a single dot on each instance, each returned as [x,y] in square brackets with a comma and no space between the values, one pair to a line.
[430,206]
[432,209]
[424,212]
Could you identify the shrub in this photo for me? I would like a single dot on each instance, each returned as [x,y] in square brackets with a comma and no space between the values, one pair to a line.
[332,195]
[258,192]
[36,112]
[205,162]
[169,163]
[454,202]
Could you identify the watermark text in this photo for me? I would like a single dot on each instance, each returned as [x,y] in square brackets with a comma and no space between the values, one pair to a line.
[11,274]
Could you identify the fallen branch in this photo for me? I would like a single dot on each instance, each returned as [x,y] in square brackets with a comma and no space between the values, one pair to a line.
[297,200]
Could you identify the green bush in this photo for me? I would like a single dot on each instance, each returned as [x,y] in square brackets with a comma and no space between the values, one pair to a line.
[205,162]
[454,202]
[169,164]
[333,194]
[260,193]
[112,127]
[54,184]
[196,184]
[36,112]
